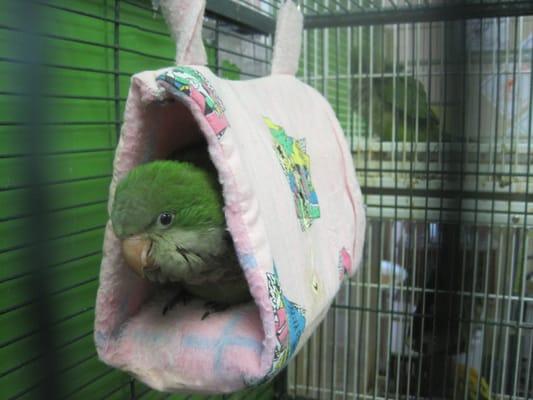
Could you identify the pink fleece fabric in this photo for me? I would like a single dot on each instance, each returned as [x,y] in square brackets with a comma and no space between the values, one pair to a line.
[293,208]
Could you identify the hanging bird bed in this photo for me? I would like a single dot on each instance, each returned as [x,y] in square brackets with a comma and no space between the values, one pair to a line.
[292,206]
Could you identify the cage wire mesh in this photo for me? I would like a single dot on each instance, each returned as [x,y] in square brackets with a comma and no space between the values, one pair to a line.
[437,110]
[438,114]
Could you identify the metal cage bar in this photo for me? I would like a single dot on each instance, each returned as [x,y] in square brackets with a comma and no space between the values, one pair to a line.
[448,203]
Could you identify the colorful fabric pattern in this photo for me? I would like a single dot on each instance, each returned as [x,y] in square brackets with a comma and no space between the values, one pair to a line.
[345,263]
[193,84]
[296,164]
[289,322]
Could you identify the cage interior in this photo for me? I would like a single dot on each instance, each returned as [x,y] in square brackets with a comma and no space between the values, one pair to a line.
[468,187]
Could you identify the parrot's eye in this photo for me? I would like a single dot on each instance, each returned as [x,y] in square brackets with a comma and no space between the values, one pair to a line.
[165,218]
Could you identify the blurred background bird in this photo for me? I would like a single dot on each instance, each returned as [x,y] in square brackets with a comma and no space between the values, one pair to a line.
[389,105]
[169,217]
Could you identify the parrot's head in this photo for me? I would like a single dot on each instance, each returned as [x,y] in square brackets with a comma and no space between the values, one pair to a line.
[158,209]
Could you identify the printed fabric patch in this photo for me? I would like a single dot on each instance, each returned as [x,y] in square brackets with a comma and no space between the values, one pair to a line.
[344,264]
[193,84]
[297,167]
[289,322]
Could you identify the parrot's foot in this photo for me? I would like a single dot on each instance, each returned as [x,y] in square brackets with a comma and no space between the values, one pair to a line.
[182,296]
[213,307]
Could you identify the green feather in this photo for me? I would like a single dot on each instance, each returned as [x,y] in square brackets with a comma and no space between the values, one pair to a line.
[190,193]
[195,249]
[402,102]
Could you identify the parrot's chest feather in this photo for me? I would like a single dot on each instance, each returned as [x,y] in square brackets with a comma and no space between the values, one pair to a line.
[194,256]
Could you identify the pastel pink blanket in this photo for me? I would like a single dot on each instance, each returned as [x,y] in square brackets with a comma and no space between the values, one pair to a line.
[292,205]
[293,208]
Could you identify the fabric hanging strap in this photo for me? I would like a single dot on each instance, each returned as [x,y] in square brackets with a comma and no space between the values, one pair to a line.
[288,39]
[185,20]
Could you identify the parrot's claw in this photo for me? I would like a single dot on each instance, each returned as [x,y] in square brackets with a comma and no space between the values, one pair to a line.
[213,307]
[182,296]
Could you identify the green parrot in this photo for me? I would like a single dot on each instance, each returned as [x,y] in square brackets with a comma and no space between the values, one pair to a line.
[410,111]
[402,112]
[169,217]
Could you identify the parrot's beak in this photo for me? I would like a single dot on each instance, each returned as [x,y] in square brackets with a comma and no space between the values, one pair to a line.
[136,250]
